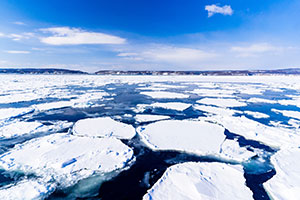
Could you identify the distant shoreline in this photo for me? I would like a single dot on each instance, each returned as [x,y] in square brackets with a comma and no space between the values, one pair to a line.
[54,71]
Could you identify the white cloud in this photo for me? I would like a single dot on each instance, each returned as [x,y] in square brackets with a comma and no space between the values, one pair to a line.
[74,36]
[19,23]
[169,54]
[17,52]
[255,49]
[2,34]
[214,9]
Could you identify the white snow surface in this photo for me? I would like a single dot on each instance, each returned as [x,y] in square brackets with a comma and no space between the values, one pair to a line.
[149,118]
[201,181]
[285,184]
[288,113]
[222,102]
[169,105]
[103,127]
[197,137]
[257,115]
[231,150]
[26,190]
[65,158]
[165,95]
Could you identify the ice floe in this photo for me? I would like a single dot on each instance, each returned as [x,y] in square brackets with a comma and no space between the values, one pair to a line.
[257,115]
[222,102]
[213,92]
[261,100]
[149,118]
[26,190]
[288,113]
[165,95]
[231,150]
[189,181]
[66,159]
[7,113]
[250,129]
[103,127]
[286,182]
[178,106]
[197,137]
[216,110]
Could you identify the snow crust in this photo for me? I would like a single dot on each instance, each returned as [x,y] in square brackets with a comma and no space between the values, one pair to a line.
[26,190]
[149,118]
[165,95]
[209,181]
[197,137]
[222,102]
[286,182]
[103,127]
[65,158]
[257,115]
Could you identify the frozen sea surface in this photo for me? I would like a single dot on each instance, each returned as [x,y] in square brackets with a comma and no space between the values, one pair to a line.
[151,137]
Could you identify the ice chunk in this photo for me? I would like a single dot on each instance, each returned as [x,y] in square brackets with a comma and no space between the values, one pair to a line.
[250,129]
[67,158]
[222,102]
[216,110]
[257,115]
[103,127]
[189,181]
[230,149]
[19,128]
[286,182]
[288,113]
[26,190]
[170,105]
[165,95]
[7,113]
[150,118]
[261,100]
[213,92]
[52,105]
[197,137]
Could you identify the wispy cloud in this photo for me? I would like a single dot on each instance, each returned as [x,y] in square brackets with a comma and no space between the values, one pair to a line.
[2,34]
[75,36]
[255,49]
[169,54]
[17,52]
[215,9]
[19,23]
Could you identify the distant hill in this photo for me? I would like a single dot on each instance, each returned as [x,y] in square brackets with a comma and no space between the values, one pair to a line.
[40,71]
[292,71]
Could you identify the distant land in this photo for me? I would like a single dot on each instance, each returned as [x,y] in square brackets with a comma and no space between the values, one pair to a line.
[40,71]
[289,71]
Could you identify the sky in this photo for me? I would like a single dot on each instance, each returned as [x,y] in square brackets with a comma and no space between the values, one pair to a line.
[92,35]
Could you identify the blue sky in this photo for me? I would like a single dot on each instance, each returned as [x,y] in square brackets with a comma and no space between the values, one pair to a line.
[94,35]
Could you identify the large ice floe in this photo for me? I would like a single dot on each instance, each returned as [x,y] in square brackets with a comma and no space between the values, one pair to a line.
[65,159]
[178,106]
[26,190]
[191,136]
[165,95]
[103,127]
[222,102]
[209,181]
[19,128]
[286,182]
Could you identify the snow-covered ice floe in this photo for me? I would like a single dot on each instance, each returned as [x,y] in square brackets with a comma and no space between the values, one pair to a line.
[288,113]
[8,113]
[183,135]
[65,159]
[149,118]
[178,106]
[286,182]
[273,136]
[257,115]
[103,127]
[222,102]
[214,92]
[26,190]
[209,181]
[165,95]
[20,128]
[196,137]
